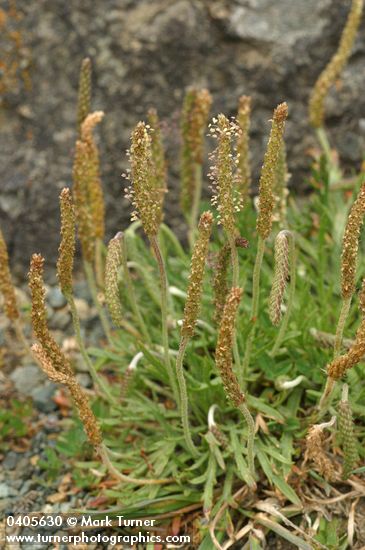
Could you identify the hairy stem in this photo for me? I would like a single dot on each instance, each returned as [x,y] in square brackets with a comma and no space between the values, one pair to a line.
[94,293]
[131,293]
[250,441]
[165,335]
[99,263]
[326,395]
[184,397]
[285,321]
[323,140]
[104,455]
[330,383]
[98,380]
[254,308]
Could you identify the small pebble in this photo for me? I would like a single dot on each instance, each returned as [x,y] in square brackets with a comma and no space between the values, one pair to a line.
[55,298]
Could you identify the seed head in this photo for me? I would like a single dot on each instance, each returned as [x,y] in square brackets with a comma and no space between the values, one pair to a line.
[268,172]
[223,352]
[39,317]
[281,274]
[226,198]
[92,176]
[315,450]
[332,71]
[66,251]
[243,147]
[84,97]
[145,193]
[157,150]
[220,283]
[338,367]
[350,244]
[6,285]
[112,266]
[194,117]
[197,268]
[78,395]
[362,298]
[281,191]
[86,230]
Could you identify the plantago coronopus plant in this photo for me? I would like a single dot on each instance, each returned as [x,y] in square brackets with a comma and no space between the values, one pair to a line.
[66,253]
[66,250]
[84,96]
[285,264]
[243,178]
[350,248]
[220,282]
[194,118]
[268,172]
[223,361]
[7,291]
[157,150]
[112,268]
[265,214]
[315,450]
[147,198]
[281,275]
[281,191]
[6,285]
[67,377]
[191,311]
[332,71]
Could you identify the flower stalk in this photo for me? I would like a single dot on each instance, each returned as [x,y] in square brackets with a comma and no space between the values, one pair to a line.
[223,360]
[191,312]
[265,217]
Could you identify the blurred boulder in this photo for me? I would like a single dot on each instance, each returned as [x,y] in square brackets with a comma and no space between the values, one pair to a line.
[145,53]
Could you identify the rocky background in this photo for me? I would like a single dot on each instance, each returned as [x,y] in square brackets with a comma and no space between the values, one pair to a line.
[145,53]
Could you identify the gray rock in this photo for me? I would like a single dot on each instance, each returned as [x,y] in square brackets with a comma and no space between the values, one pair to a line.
[145,52]
[60,320]
[27,378]
[55,298]
[84,380]
[7,491]
[42,397]
[10,461]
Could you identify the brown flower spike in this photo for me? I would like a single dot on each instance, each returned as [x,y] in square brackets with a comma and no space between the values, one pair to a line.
[315,442]
[66,251]
[197,268]
[220,283]
[335,66]
[223,352]
[6,285]
[157,150]
[145,193]
[227,199]
[350,245]
[243,177]
[39,316]
[268,172]
[80,399]
[92,166]
[112,266]
[338,367]
[281,274]
[84,96]
[194,119]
